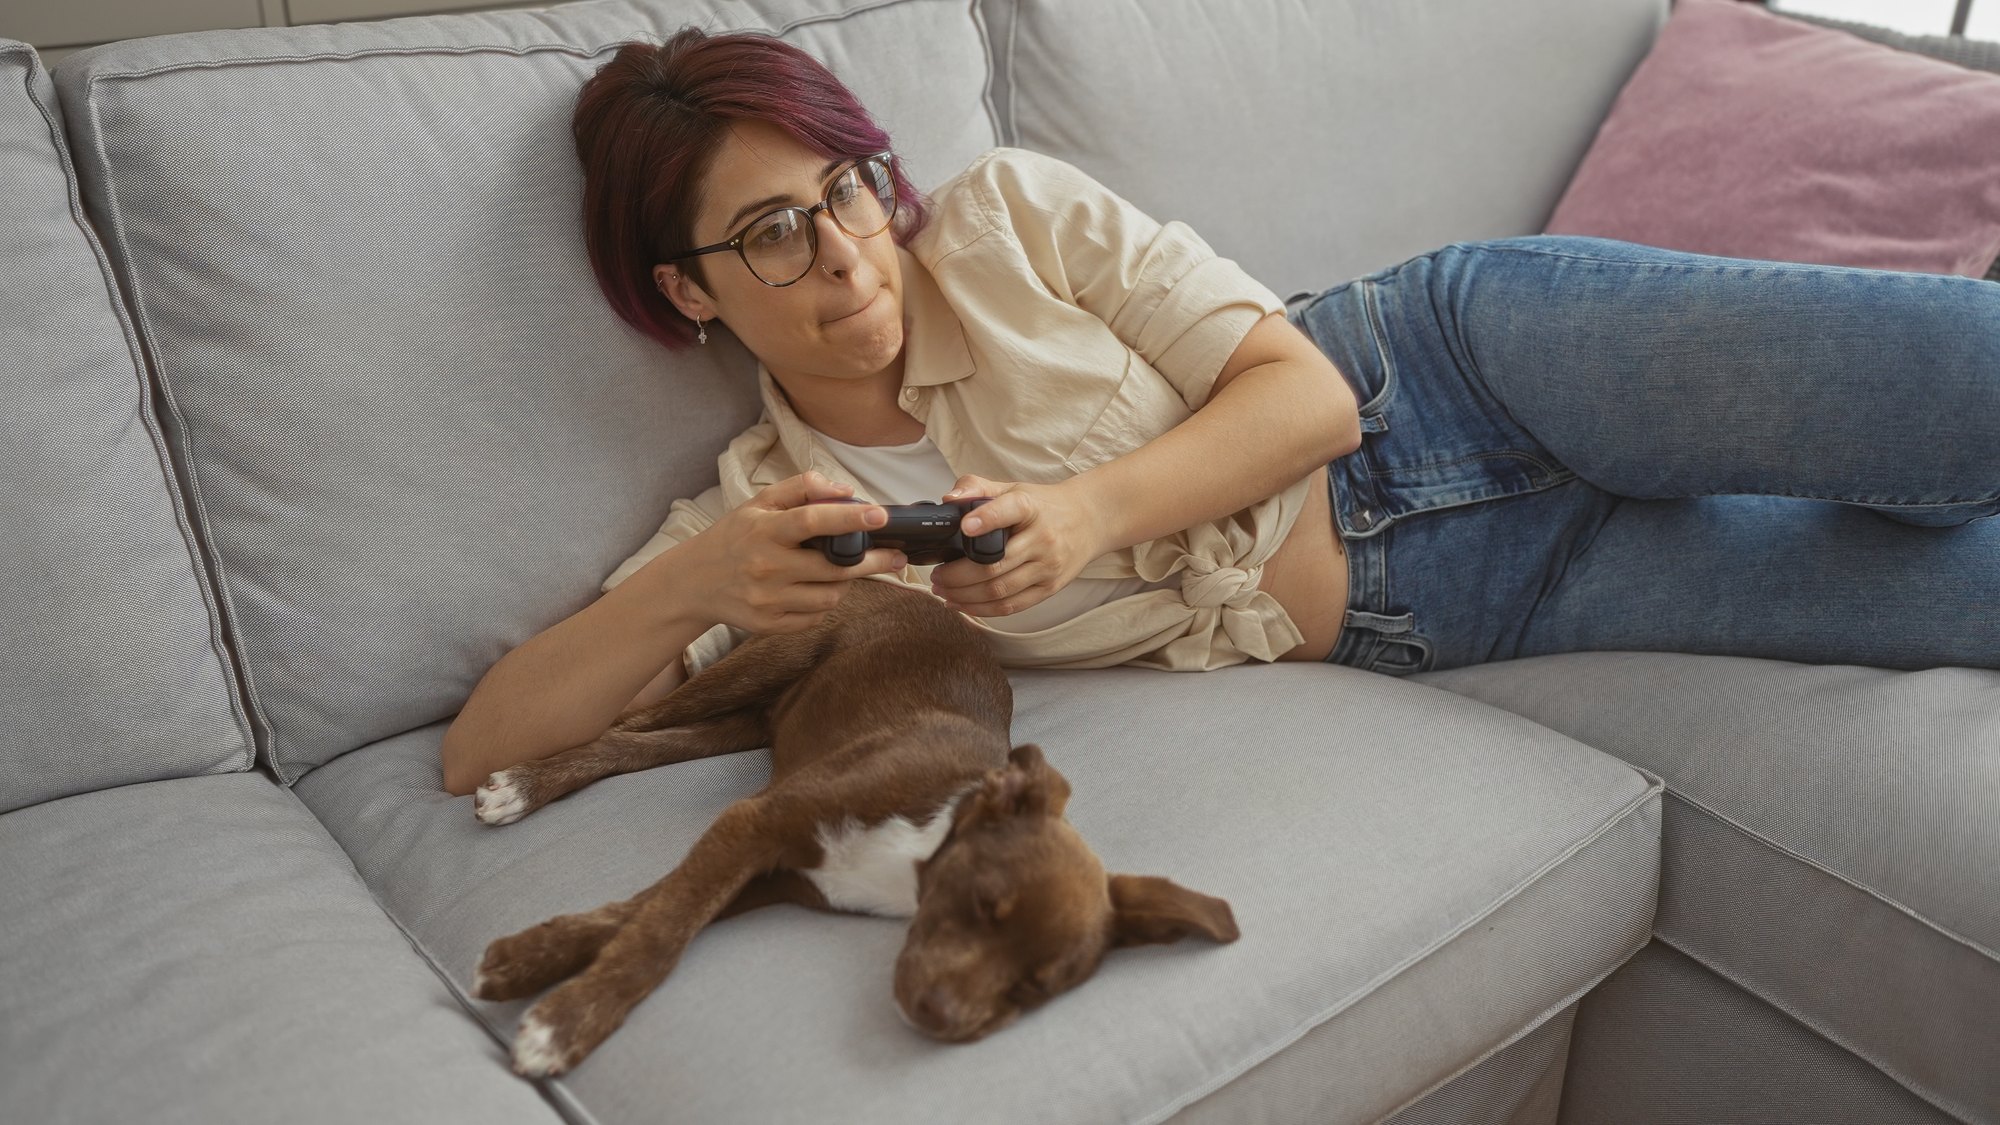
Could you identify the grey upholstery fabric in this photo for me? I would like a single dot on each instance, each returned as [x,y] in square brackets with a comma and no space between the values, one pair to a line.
[1666,1042]
[415,431]
[1831,839]
[112,668]
[1317,142]
[1418,880]
[1520,1084]
[199,952]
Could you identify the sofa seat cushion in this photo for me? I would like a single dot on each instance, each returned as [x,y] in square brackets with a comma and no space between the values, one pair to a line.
[1831,838]
[416,432]
[112,666]
[200,951]
[1419,881]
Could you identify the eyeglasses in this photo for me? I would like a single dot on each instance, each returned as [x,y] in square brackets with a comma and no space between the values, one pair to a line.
[780,246]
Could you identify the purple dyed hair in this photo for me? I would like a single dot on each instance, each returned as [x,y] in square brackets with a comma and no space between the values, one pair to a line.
[647,127]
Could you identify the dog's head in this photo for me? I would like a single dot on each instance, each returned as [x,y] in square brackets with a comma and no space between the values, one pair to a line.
[1014,908]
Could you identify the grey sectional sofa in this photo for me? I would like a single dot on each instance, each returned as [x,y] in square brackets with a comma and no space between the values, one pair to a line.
[312,412]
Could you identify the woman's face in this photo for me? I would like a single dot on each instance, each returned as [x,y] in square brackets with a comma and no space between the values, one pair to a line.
[811,326]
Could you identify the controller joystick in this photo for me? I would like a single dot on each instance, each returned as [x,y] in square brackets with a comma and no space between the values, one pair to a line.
[926,532]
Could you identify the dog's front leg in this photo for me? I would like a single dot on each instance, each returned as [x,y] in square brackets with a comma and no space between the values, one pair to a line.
[567,1024]
[520,789]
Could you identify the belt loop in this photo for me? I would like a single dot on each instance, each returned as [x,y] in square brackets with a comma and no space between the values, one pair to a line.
[1401,623]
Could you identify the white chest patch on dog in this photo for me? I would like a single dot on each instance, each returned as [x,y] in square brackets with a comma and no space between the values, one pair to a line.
[873,870]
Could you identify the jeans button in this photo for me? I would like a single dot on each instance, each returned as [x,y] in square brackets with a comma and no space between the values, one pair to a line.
[1364,519]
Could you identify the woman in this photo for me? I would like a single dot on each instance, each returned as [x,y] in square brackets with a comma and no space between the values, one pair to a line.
[1152,425]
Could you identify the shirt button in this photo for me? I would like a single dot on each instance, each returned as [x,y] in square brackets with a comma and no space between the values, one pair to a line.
[1364,518]
[909,394]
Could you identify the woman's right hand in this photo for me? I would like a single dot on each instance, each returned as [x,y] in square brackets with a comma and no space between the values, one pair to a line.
[762,578]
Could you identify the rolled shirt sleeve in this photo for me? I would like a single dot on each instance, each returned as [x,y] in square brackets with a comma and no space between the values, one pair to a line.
[686,518]
[1160,288]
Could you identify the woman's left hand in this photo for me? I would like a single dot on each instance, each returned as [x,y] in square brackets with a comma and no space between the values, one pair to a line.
[1052,537]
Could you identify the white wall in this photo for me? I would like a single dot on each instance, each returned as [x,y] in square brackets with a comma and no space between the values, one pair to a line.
[57,27]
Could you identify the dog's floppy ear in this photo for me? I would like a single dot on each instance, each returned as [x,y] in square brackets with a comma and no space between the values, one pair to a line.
[1148,909]
[1026,784]
[1027,755]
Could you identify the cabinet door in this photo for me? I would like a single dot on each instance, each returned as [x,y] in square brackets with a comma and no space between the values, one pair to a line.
[333,11]
[101,21]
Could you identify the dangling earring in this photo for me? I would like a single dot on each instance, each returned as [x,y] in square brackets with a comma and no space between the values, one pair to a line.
[697,320]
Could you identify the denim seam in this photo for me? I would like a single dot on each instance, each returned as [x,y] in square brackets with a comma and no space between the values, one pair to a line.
[1378,335]
[1391,521]
[1557,472]
[1780,267]
[1561,572]
[1837,499]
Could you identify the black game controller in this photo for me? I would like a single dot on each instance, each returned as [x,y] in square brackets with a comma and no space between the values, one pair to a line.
[926,533]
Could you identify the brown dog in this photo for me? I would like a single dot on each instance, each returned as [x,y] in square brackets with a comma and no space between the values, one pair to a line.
[892,792]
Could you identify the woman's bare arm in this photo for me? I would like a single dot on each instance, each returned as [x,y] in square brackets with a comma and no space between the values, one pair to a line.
[1279,410]
[567,684]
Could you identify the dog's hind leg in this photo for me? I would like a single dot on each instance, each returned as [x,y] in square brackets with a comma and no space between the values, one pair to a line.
[753,674]
[774,887]
[520,789]
[523,964]
[580,1013]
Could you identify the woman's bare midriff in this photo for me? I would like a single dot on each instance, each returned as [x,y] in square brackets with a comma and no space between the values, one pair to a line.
[1308,576]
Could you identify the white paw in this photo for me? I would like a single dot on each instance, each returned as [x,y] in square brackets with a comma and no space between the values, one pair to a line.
[535,1054]
[499,801]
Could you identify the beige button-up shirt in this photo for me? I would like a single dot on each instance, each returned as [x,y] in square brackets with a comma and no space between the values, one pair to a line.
[1050,326]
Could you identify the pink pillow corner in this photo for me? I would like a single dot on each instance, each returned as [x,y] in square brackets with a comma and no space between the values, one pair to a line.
[1746,134]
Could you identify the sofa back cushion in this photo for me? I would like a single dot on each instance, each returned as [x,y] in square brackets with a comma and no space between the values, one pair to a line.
[1313,142]
[416,433]
[112,667]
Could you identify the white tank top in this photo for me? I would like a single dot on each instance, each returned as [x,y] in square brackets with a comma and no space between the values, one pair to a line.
[906,474]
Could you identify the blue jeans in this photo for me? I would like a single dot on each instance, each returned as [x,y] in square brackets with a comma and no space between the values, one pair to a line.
[1576,444]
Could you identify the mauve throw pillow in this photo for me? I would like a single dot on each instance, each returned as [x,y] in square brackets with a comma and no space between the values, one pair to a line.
[1750,135]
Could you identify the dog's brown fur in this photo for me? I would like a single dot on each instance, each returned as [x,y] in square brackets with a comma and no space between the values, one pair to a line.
[891,706]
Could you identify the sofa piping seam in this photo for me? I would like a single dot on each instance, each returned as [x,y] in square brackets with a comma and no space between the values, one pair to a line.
[135,353]
[977,13]
[520,50]
[450,985]
[1879,896]
[1013,46]
[1785,1008]
[136,298]
[1533,1025]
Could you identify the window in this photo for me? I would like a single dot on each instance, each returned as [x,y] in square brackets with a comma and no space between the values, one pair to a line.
[1977,19]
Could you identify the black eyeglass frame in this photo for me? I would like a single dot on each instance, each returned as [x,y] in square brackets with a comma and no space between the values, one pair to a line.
[887,156]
